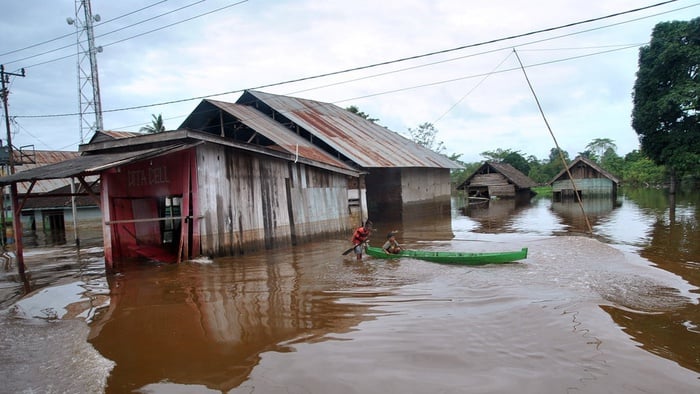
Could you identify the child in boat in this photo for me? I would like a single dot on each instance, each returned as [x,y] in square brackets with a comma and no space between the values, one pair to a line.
[391,245]
[360,237]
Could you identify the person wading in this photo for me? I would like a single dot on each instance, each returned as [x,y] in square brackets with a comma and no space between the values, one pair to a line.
[361,236]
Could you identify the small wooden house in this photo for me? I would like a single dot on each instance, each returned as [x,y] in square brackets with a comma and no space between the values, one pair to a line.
[498,180]
[587,179]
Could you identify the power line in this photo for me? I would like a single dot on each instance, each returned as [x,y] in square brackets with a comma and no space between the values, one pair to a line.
[373,65]
[124,28]
[73,33]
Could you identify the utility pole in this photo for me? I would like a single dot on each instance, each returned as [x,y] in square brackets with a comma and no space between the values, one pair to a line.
[88,81]
[16,214]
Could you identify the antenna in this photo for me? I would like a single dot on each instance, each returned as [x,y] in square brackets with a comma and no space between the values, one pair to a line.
[88,81]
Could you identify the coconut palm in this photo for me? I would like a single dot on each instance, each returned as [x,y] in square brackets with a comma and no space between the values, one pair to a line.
[156,125]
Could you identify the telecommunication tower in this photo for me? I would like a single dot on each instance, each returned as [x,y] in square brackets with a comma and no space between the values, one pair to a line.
[90,106]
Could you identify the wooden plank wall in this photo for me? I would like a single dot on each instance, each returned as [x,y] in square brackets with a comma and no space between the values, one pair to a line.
[249,202]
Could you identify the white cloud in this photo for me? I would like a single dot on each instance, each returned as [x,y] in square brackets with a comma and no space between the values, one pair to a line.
[258,43]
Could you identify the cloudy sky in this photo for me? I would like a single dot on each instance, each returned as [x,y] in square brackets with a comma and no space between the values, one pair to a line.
[452,63]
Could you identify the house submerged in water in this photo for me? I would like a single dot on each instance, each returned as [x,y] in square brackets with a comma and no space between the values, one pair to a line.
[587,180]
[266,171]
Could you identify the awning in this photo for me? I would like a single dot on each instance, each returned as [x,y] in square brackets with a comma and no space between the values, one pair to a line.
[89,165]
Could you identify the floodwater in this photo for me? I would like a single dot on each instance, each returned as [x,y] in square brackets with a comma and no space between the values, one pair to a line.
[615,312]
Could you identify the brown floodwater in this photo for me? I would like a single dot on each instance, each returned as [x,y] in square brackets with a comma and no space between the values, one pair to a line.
[615,312]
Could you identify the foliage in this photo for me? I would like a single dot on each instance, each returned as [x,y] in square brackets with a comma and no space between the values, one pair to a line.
[514,158]
[666,113]
[425,135]
[543,191]
[599,146]
[355,110]
[640,170]
[457,177]
[156,125]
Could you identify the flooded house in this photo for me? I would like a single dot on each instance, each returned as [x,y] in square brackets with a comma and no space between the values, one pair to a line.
[51,212]
[494,180]
[264,172]
[587,179]
[401,179]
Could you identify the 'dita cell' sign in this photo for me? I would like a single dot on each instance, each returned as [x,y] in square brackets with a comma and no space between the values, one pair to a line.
[148,176]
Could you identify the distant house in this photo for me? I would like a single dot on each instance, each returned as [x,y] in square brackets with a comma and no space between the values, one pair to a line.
[49,211]
[498,180]
[587,178]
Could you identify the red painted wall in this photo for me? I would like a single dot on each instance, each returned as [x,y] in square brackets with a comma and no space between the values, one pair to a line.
[134,191]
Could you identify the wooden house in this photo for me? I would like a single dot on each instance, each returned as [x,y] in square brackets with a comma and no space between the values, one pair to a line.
[587,178]
[400,178]
[498,180]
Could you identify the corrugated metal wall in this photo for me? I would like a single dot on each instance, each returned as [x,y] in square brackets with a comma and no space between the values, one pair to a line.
[590,186]
[250,202]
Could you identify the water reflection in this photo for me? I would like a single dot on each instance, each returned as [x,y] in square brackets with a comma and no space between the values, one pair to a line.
[207,324]
[646,222]
[288,316]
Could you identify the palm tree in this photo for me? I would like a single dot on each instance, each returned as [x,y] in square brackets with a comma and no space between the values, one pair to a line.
[156,125]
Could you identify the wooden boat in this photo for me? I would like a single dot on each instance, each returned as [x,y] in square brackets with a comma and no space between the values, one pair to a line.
[465,258]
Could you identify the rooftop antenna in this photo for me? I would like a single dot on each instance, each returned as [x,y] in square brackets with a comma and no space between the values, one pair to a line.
[88,82]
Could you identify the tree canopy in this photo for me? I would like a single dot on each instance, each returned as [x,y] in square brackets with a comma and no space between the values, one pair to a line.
[666,97]
[426,136]
[355,110]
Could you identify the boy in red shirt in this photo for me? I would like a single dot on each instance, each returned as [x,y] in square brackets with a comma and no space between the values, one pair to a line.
[360,237]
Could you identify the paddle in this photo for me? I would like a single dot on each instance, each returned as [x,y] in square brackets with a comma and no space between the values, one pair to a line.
[351,249]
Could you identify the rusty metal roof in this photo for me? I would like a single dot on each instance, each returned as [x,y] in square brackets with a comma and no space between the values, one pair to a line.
[365,143]
[107,135]
[284,139]
[85,165]
[30,159]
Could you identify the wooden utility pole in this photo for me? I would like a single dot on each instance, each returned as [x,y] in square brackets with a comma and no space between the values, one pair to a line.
[16,214]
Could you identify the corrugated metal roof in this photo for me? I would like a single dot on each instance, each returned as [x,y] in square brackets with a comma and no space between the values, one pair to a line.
[108,135]
[85,165]
[283,137]
[366,143]
[30,159]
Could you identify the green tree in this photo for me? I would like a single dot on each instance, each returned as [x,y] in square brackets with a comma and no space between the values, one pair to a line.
[612,163]
[156,125]
[666,113]
[514,158]
[355,110]
[640,170]
[425,135]
[599,146]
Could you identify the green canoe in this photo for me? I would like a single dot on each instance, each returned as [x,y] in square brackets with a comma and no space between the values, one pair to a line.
[466,258]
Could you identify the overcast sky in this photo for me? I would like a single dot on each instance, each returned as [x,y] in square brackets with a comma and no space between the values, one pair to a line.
[157,59]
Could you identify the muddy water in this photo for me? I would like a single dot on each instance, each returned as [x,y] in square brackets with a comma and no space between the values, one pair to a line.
[617,313]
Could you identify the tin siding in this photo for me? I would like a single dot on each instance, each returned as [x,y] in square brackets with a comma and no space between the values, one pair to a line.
[246,201]
[425,185]
[590,186]
[319,203]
